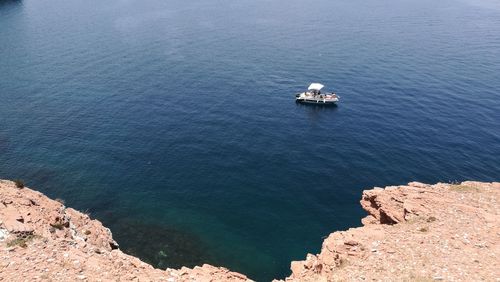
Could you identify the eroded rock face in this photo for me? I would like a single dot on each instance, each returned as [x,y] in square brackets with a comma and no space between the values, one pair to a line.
[41,239]
[415,232]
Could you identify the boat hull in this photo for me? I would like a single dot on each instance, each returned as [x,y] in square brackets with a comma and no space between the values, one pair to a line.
[308,98]
[322,102]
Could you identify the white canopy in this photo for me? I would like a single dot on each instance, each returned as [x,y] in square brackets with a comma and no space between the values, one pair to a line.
[315,86]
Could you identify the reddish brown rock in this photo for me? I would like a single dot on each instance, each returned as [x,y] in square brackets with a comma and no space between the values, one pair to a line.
[41,239]
[417,232]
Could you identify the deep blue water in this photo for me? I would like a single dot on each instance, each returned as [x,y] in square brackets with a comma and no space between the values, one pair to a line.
[174,123]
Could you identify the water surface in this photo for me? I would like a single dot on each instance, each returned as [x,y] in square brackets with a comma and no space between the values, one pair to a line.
[173,122]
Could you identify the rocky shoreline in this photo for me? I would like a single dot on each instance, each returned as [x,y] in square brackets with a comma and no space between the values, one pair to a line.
[413,232]
[42,240]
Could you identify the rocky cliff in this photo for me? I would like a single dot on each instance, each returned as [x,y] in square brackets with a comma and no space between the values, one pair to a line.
[416,232]
[41,239]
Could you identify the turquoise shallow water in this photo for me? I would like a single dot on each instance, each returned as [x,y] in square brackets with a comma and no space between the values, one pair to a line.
[174,123]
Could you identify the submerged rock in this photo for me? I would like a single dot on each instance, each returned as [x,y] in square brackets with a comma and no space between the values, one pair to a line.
[412,232]
[42,239]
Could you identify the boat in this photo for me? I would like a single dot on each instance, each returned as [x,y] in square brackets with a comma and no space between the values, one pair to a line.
[314,96]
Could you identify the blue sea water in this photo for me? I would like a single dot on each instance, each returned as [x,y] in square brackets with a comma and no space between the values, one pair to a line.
[174,122]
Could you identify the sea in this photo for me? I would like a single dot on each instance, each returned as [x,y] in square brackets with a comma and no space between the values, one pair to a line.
[175,123]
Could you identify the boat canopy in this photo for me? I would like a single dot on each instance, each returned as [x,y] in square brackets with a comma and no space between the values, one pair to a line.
[315,86]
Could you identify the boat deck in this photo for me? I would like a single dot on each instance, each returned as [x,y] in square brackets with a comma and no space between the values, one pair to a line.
[309,98]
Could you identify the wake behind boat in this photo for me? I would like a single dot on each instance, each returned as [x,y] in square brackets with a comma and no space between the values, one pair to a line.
[313,95]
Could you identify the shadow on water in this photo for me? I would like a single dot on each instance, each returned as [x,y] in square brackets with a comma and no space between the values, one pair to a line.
[42,177]
[315,112]
[9,2]
[160,245]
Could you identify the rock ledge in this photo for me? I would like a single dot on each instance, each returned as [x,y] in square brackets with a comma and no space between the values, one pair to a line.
[41,239]
[416,232]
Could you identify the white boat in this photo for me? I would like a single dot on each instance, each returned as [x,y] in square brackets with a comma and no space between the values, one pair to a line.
[313,95]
